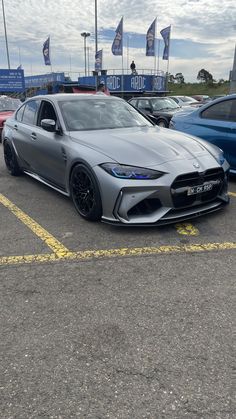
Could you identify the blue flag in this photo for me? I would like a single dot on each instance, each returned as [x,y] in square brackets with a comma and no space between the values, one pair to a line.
[117,45]
[165,33]
[150,40]
[98,60]
[46,52]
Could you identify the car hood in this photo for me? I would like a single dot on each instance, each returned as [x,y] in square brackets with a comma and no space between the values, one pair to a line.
[146,146]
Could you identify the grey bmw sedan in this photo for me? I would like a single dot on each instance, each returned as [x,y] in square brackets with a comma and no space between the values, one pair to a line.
[115,164]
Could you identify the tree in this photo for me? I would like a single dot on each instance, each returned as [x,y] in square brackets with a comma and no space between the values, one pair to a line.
[179,78]
[205,76]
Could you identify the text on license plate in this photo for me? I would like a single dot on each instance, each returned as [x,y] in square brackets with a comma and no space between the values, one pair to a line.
[193,190]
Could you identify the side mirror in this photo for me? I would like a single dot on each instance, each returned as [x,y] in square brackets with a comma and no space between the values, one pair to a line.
[48,125]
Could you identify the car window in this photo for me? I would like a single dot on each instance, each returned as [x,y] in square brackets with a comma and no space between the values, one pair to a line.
[133,102]
[19,113]
[175,99]
[30,111]
[163,103]
[223,111]
[142,104]
[46,111]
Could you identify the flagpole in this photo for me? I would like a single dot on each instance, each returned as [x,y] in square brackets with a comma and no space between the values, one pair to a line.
[19,57]
[127,54]
[158,56]
[168,57]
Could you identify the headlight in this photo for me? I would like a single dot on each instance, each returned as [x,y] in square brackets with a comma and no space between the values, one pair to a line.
[130,172]
[220,158]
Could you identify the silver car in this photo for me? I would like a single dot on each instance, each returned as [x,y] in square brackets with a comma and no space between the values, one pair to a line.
[113,162]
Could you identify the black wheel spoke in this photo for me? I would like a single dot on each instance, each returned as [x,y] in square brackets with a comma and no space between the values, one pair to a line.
[85,193]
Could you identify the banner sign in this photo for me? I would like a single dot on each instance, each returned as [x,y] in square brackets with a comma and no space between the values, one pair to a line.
[43,79]
[129,83]
[12,81]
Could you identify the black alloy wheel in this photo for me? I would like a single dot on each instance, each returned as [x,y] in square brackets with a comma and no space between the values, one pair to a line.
[10,159]
[85,193]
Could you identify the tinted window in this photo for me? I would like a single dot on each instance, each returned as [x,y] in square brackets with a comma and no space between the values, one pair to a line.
[30,112]
[143,104]
[223,111]
[46,112]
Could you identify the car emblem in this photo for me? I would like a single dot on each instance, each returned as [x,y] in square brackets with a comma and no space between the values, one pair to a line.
[196,165]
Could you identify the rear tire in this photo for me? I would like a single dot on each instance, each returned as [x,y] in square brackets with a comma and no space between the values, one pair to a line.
[11,159]
[85,193]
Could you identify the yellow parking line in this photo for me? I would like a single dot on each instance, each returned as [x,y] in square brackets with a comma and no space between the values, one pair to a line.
[49,240]
[232,194]
[122,252]
[186,229]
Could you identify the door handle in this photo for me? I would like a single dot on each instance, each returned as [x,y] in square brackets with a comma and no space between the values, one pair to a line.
[15,127]
[33,136]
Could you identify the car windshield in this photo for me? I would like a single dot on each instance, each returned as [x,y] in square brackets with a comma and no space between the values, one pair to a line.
[100,113]
[164,103]
[9,104]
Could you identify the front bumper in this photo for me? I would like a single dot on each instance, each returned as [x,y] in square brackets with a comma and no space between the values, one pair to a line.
[165,200]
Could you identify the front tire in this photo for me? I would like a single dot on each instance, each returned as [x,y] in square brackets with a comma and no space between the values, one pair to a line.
[85,193]
[11,159]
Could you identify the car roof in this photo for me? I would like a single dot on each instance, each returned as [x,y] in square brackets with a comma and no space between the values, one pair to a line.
[73,96]
[149,97]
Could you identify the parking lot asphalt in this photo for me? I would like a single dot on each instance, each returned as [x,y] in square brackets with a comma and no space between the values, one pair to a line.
[105,322]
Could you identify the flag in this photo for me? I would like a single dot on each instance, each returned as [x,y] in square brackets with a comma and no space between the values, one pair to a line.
[150,40]
[165,33]
[46,51]
[98,60]
[117,45]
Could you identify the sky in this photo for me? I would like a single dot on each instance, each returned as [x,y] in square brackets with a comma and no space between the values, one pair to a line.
[203,35]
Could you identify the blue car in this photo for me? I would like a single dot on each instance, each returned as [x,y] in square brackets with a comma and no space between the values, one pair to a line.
[214,122]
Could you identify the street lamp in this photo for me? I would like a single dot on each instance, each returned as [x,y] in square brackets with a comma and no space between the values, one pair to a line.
[85,35]
[5,29]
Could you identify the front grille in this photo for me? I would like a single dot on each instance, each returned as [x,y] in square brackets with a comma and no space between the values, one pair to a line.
[181,185]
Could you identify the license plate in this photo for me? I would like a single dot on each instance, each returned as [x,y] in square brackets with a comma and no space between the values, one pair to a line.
[194,190]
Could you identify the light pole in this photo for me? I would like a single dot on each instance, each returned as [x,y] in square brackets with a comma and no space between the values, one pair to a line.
[85,35]
[5,29]
[96,28]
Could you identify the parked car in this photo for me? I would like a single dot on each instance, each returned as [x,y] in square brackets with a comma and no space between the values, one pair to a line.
[7,107]
[184,100]
[159,109]
[214,122]
[201,98]
[217,97]
[112,161]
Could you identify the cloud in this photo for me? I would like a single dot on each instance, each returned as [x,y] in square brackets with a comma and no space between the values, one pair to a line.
[203,31]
